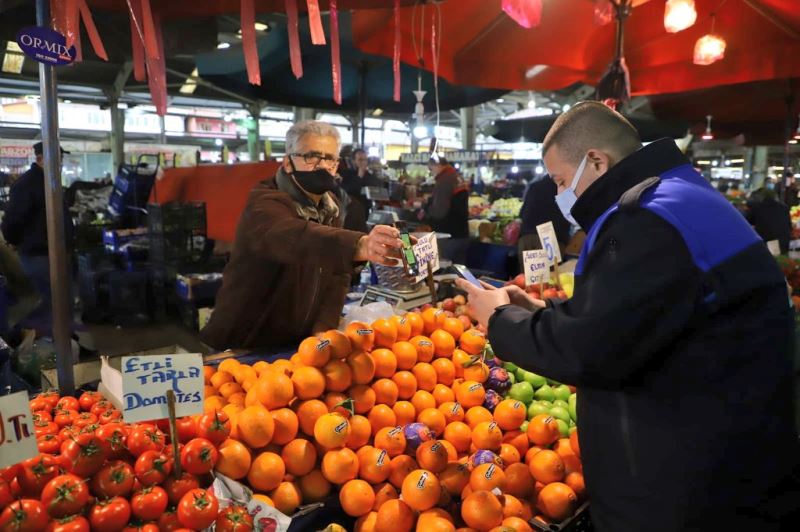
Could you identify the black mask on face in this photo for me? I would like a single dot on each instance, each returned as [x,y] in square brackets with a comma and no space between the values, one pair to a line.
[316,181]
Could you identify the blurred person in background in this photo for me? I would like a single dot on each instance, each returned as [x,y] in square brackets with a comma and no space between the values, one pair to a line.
[770,217]
[539,207]
[447,211]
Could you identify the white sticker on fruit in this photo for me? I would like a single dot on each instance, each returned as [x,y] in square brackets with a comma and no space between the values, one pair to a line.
[537,266]
[547,236]
[146,380]
[17,437]
[427,251]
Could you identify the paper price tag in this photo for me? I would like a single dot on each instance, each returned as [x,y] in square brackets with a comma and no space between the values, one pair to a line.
[547,235]
[146,379]
[774,247]
[17,437]
[537,266]
[427,251]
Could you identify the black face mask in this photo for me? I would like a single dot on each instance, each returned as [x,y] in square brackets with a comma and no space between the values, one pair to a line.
[317,181]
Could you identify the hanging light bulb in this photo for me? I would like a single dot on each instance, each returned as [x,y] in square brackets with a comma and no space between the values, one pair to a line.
[420,131]
[679,15]
[708,135]
[709,48]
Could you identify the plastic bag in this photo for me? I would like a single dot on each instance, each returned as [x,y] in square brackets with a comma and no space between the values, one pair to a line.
[369,313]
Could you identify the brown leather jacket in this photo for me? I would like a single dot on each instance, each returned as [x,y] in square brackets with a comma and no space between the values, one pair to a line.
[289,270]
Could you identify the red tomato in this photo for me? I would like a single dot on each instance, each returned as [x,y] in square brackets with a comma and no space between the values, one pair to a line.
[112,439]
[43,427]
[168,522]
[199,456]
[234,518]
[84,454]
[110,515]
[177,487]
[198,509]
[152,467]
[73,523]
[64,418]
[24,515]
[52,397]
[85,418]
[5,494]
[141,527]
[49,443]
[149,503]
[214,426]
[88,399]
[42,414]
[68,403]
[36,472]
[101,406]
[115,479]
[10,473]
[145,438]
[65,495]
[109,416]
[39,403]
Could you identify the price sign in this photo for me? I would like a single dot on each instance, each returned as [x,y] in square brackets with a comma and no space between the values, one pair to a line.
[17,437]
[547,235]
[146,379]
[774,247]
[427,251]
[537,266]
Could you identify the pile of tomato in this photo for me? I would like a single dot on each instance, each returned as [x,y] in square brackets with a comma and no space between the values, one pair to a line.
[95,472]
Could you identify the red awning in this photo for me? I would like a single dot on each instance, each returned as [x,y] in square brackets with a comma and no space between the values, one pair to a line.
[482,46]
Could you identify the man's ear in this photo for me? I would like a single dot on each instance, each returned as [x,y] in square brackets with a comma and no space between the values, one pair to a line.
[599,161]
[286,166]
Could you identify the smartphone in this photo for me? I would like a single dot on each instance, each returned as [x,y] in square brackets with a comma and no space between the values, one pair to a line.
[409,259]
[467,275]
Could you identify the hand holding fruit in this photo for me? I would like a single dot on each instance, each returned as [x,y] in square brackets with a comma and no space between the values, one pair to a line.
[380,246]
[482,303]
[521,298]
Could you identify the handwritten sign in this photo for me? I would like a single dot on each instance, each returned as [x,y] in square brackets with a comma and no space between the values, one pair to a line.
[547,235]
[146,379]
[426,251]
[17,437]
[537,266]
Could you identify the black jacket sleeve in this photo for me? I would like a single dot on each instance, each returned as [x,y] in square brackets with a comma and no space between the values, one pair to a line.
[636,296]
[18,212]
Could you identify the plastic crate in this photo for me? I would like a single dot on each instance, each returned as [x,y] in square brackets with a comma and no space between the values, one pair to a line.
[178,232]
[115,239]
[580,522]
[127,295]
[198,287]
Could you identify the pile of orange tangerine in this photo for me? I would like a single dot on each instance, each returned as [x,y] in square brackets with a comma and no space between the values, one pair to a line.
[332,417]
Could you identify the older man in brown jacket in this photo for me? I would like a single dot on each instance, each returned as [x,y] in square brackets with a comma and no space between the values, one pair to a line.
[291,262]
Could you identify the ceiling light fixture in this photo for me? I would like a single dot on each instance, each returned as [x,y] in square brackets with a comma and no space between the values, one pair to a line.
[709,48]
[679,15]
[708,135]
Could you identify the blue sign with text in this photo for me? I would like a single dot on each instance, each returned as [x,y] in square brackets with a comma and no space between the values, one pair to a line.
[45,45]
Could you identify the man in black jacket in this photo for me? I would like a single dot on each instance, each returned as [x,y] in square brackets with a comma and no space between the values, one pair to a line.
[24,226]
[679,338]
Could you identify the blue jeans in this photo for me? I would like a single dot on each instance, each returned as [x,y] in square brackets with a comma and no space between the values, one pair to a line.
[37,268]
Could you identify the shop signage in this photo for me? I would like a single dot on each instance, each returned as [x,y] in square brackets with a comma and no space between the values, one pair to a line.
[17,437]
[210,127]
[427,251]
[537,266]
[45,45]
[547,236]
[146,380]
[453,157]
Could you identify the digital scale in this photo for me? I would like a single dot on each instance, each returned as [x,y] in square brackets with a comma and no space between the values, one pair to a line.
[399,300]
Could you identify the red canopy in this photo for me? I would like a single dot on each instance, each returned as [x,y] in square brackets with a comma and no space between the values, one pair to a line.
[205,8]
[482,46]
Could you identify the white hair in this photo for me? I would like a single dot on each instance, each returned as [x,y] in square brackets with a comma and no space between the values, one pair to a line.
[310,127]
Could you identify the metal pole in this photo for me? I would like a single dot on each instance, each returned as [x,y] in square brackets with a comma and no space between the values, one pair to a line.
[362,101]
[54,205]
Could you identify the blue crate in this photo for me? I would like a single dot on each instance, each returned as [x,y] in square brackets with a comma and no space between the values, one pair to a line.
[198,286]
[115,239]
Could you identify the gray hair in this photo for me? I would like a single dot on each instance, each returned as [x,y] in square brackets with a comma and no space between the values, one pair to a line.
[310,127]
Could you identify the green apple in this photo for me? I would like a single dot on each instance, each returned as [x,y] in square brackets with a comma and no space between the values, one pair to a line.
[563,426]
[559,412]
[562,404]
[562,392]
[551,382]
[524,427]
[537,381]
[572,429]
[521,391]
[537,408]
[545,393]
[573,402]
[510,367]
[512,378]
[520,374]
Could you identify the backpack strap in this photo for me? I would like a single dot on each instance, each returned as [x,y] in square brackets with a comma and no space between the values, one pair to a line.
[630,199]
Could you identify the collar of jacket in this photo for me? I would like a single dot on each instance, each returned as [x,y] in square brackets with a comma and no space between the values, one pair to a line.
[652,160]
[324,213]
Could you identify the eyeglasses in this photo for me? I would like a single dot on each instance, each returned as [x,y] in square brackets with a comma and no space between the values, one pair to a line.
[317,159]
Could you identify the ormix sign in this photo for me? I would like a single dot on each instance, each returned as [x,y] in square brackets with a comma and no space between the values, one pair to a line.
[45,45]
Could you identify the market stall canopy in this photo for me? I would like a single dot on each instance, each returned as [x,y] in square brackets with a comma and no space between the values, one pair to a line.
[754,113]
[482,46]
[225,68]
[534,129]
[204,8]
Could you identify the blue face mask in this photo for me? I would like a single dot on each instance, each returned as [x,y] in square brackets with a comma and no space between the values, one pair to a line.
[566,199]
